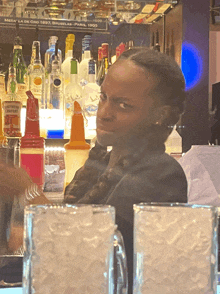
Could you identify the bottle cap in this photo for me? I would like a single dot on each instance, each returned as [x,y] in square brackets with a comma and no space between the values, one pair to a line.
[70,39]
[99,53]
[77,137]
[32,137]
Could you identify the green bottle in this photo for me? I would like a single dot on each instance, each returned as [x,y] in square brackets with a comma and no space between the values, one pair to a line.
[21,70]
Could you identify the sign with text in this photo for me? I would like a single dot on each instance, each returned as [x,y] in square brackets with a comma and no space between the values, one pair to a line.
[98,24]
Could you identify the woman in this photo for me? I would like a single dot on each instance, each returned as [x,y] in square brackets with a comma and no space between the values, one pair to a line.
[141,97]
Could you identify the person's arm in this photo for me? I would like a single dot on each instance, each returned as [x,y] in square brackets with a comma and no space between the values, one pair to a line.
[18,190]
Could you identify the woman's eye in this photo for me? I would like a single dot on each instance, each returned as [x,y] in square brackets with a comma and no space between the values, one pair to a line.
[124,105]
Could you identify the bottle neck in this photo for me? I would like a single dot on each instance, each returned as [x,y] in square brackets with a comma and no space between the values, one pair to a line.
[33,55]
[56,64]
[73,78]
[69,53]
[91,78]
[52,41]
[87,54]
[37,58]
[17,48]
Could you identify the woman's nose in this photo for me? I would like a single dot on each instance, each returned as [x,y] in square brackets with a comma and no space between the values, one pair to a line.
[105,111]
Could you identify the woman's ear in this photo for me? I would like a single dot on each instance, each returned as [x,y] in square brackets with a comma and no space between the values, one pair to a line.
[162,114]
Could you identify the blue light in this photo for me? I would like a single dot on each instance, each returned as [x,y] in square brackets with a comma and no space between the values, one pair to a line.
[191,64]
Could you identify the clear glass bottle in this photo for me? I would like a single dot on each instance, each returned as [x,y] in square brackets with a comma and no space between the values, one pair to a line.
[73,92]
[84,64]
[37,77]
[21,70]
[30,66]
[49,56]
[56,120]
[91,93]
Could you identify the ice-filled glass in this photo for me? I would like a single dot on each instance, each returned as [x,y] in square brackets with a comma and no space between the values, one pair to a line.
[175,249]
[69,249]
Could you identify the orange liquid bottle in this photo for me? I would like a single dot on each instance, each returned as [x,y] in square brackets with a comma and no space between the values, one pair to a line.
[76,150]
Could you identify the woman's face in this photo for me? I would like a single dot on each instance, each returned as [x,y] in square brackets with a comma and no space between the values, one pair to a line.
[124,104]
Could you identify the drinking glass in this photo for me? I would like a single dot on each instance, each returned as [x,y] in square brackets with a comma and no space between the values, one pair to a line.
[175,248]
[70,249]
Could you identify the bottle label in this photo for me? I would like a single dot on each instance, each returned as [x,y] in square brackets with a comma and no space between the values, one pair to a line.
[17,47]
[37,81]
[21,88]
[12,112]
[36,67]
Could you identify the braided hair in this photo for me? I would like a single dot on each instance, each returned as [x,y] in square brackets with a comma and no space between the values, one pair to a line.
[91,186]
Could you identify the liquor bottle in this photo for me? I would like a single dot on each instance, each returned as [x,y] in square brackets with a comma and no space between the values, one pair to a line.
[12,107]
[21,70]
[76,150]
[84,64]
[30,66]
[49,56]
[104,65]
[65,67]
[73,92]
[37,87]
[91,94]
[37,76]
[32,145]
[157,45]
[56,120]
[2,80]
[33,54]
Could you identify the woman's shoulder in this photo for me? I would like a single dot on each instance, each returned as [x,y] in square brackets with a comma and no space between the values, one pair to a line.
[156,176]
[157,161]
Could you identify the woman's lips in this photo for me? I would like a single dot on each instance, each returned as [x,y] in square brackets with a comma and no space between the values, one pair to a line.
[104,128]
